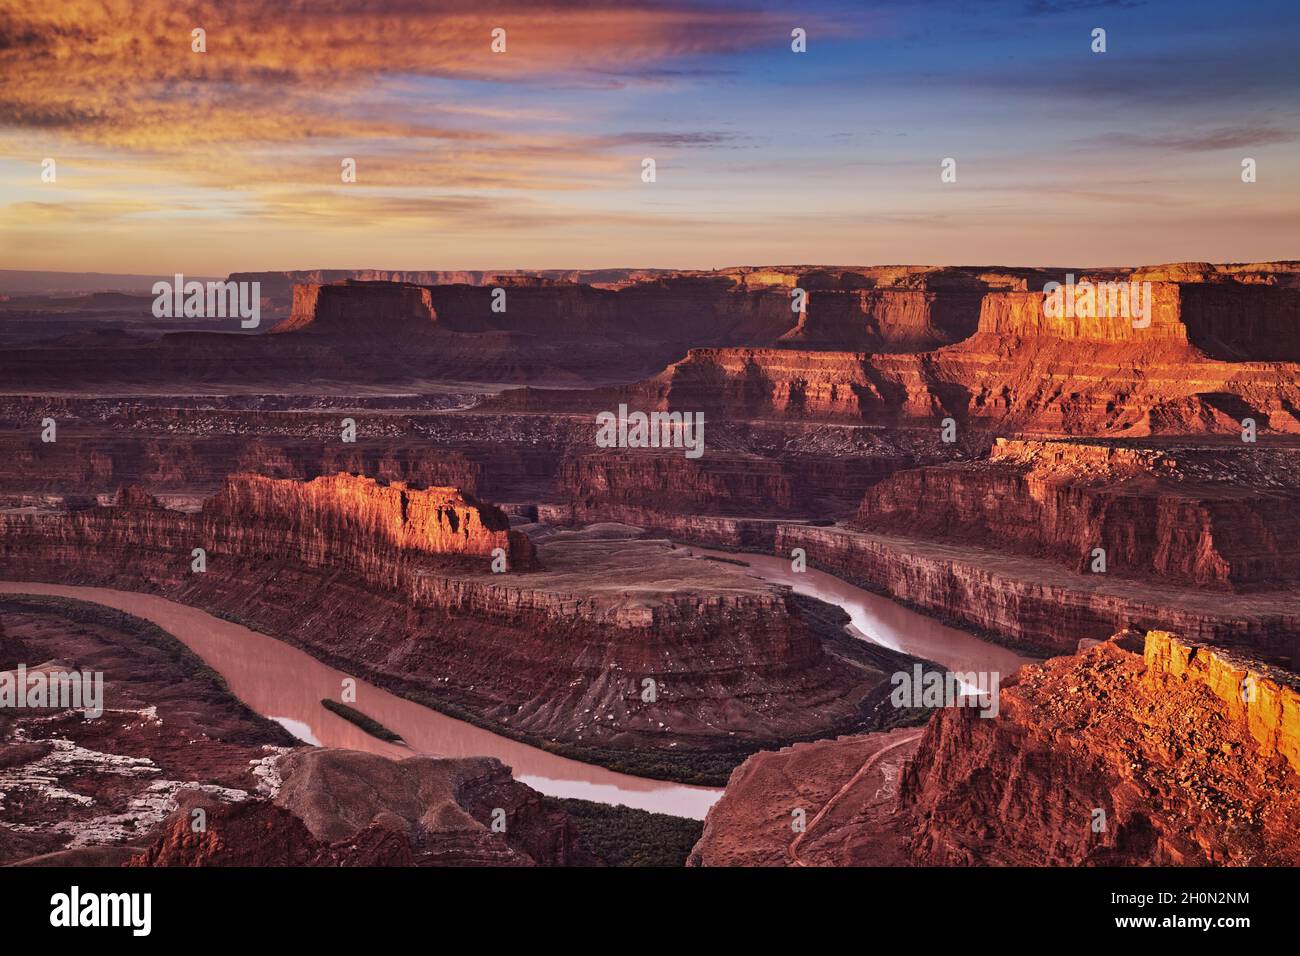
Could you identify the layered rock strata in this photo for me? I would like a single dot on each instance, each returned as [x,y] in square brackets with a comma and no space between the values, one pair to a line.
[1021,369]
[1037,604]
[396,585]
[1224,517]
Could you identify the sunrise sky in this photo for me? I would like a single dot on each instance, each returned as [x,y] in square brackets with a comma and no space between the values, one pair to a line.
[169,160]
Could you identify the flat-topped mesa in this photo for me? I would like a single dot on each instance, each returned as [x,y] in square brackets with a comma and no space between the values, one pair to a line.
[1139,751]
[1113,313]
[370,309]
[1224,320]
[340,514]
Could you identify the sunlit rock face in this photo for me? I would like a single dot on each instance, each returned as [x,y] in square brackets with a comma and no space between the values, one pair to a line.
[1140,751]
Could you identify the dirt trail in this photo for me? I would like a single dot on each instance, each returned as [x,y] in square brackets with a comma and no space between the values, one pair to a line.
[793,849]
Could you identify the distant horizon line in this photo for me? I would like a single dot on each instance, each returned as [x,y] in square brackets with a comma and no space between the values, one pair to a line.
[523,270]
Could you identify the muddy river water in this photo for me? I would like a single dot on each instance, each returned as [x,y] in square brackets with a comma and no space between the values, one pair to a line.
[287,685]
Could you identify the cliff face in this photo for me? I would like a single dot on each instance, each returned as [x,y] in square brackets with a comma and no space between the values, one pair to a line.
[1114,758]
[717,483]
[333,515]
[887,319]
[394,585]
[1035,603]
[1136,752]
[367,309]
[1094,374]
[343,520]
[1219,517]
[1085,373]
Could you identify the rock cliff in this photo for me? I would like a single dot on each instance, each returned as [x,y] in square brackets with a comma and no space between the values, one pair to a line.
[365,309]
[1115,757]
[1139,751]
[1184,369]
[395,585]
[1219,516]
[1037,604]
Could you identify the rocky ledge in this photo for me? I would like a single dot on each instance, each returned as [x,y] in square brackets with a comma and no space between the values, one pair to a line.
[1139,750]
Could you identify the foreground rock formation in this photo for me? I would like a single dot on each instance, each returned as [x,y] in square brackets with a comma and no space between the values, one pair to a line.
[346,808]
[79,790]
[1138,751]
[1159,740]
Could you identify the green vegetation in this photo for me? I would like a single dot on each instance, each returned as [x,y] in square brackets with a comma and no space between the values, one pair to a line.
[621,836]
[371,726]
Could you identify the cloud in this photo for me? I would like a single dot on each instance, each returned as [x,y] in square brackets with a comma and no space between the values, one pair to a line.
[121,72]
[1223,137]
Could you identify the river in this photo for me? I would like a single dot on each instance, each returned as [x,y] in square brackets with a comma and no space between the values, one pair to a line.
[287,685]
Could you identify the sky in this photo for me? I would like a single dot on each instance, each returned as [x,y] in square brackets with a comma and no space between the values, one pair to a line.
[169,160]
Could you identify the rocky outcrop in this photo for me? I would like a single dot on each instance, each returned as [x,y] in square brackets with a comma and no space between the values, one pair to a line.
[820,803]
[342,521]
[1114,757]
[1266,699]
[901,320]
[330,516]
[1214,516]
[1139,751]
[347,808]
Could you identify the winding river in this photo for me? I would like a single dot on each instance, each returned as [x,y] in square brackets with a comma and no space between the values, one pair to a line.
[287,685]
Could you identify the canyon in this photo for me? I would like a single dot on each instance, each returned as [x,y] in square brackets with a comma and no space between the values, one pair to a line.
[1111,504]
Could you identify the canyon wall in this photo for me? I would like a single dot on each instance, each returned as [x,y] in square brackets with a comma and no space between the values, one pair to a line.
[889,319]
[1214,517]
[1035,604]
[911,342]
[717,483]
[1182,369]
[394,585]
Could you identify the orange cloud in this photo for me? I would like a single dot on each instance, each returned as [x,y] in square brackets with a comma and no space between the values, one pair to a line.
[122,72]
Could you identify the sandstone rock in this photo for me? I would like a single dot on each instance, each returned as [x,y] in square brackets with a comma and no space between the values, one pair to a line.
[1216,516]
[1183,774]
